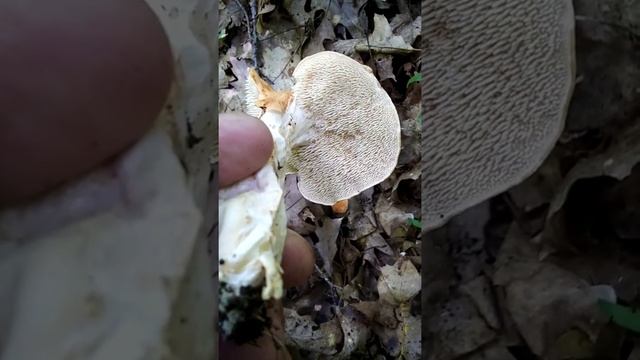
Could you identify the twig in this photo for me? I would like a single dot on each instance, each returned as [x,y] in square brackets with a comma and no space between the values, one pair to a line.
[244,12]
[254,33]
[280,33]
[334,288]
[385,49]
[251,30]
[289,61]
[299,48]
[325,277]
[366,34]
[294,204]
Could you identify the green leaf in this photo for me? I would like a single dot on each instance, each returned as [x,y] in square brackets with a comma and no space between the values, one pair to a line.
[419,120]
[222,34]
[621,315]
[417,77]
[416,223]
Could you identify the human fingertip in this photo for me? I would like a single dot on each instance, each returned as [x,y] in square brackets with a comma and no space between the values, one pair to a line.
[298,260]
[245,145]
[264,348]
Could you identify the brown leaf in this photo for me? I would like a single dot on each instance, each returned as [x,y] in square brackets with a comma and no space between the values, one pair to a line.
[266,8]
[550,302]
[617,162]
[384,66]
[411,339]
[361,220]
[327,233]
[390,216]
[377,242]
[304,333]
[354,330]
[299,218]
[413,174]
[383,35]
[399,282]
[573,344]
[406,28]
[368,308]
[458,329]
[479,290]
[323,33]
[494,351]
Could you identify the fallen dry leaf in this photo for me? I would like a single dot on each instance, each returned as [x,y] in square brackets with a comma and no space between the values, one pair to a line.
[617,162]
[404,340]
[354,329]
[390,216]
[490,352]
[403,26]
[377,251]
[604,269]
[327,232]
[384,67]
[411,329]
[550,302]
[305,333]
[350,16]
[479,290]
[299,217]
[323,33]
[412,174]
[458,329]
[383,36]
[573,344]
[399,282]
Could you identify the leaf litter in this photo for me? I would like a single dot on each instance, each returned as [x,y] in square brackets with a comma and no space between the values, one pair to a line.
[550,268]
[363,300]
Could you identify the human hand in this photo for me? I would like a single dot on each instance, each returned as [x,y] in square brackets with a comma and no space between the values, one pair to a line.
[245,145]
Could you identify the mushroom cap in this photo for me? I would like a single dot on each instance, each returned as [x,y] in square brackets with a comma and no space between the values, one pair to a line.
[497,81]
[345,133]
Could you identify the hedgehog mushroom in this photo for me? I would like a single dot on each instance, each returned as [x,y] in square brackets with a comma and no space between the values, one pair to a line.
[339,131]
[495,97]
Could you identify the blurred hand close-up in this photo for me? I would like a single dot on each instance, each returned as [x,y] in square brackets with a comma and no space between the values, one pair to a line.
[245,145]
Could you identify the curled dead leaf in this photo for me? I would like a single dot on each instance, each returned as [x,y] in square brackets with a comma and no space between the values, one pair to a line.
[400,282]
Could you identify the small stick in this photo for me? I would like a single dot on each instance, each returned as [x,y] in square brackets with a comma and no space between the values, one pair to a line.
[334,288]
[251,29]
[385,49]
[253,33]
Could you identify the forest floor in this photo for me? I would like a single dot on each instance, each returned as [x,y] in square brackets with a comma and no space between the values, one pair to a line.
[363,300]
[550,269]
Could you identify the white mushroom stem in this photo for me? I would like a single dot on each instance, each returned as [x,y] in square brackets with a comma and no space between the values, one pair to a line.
[253,222]
[254,240]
